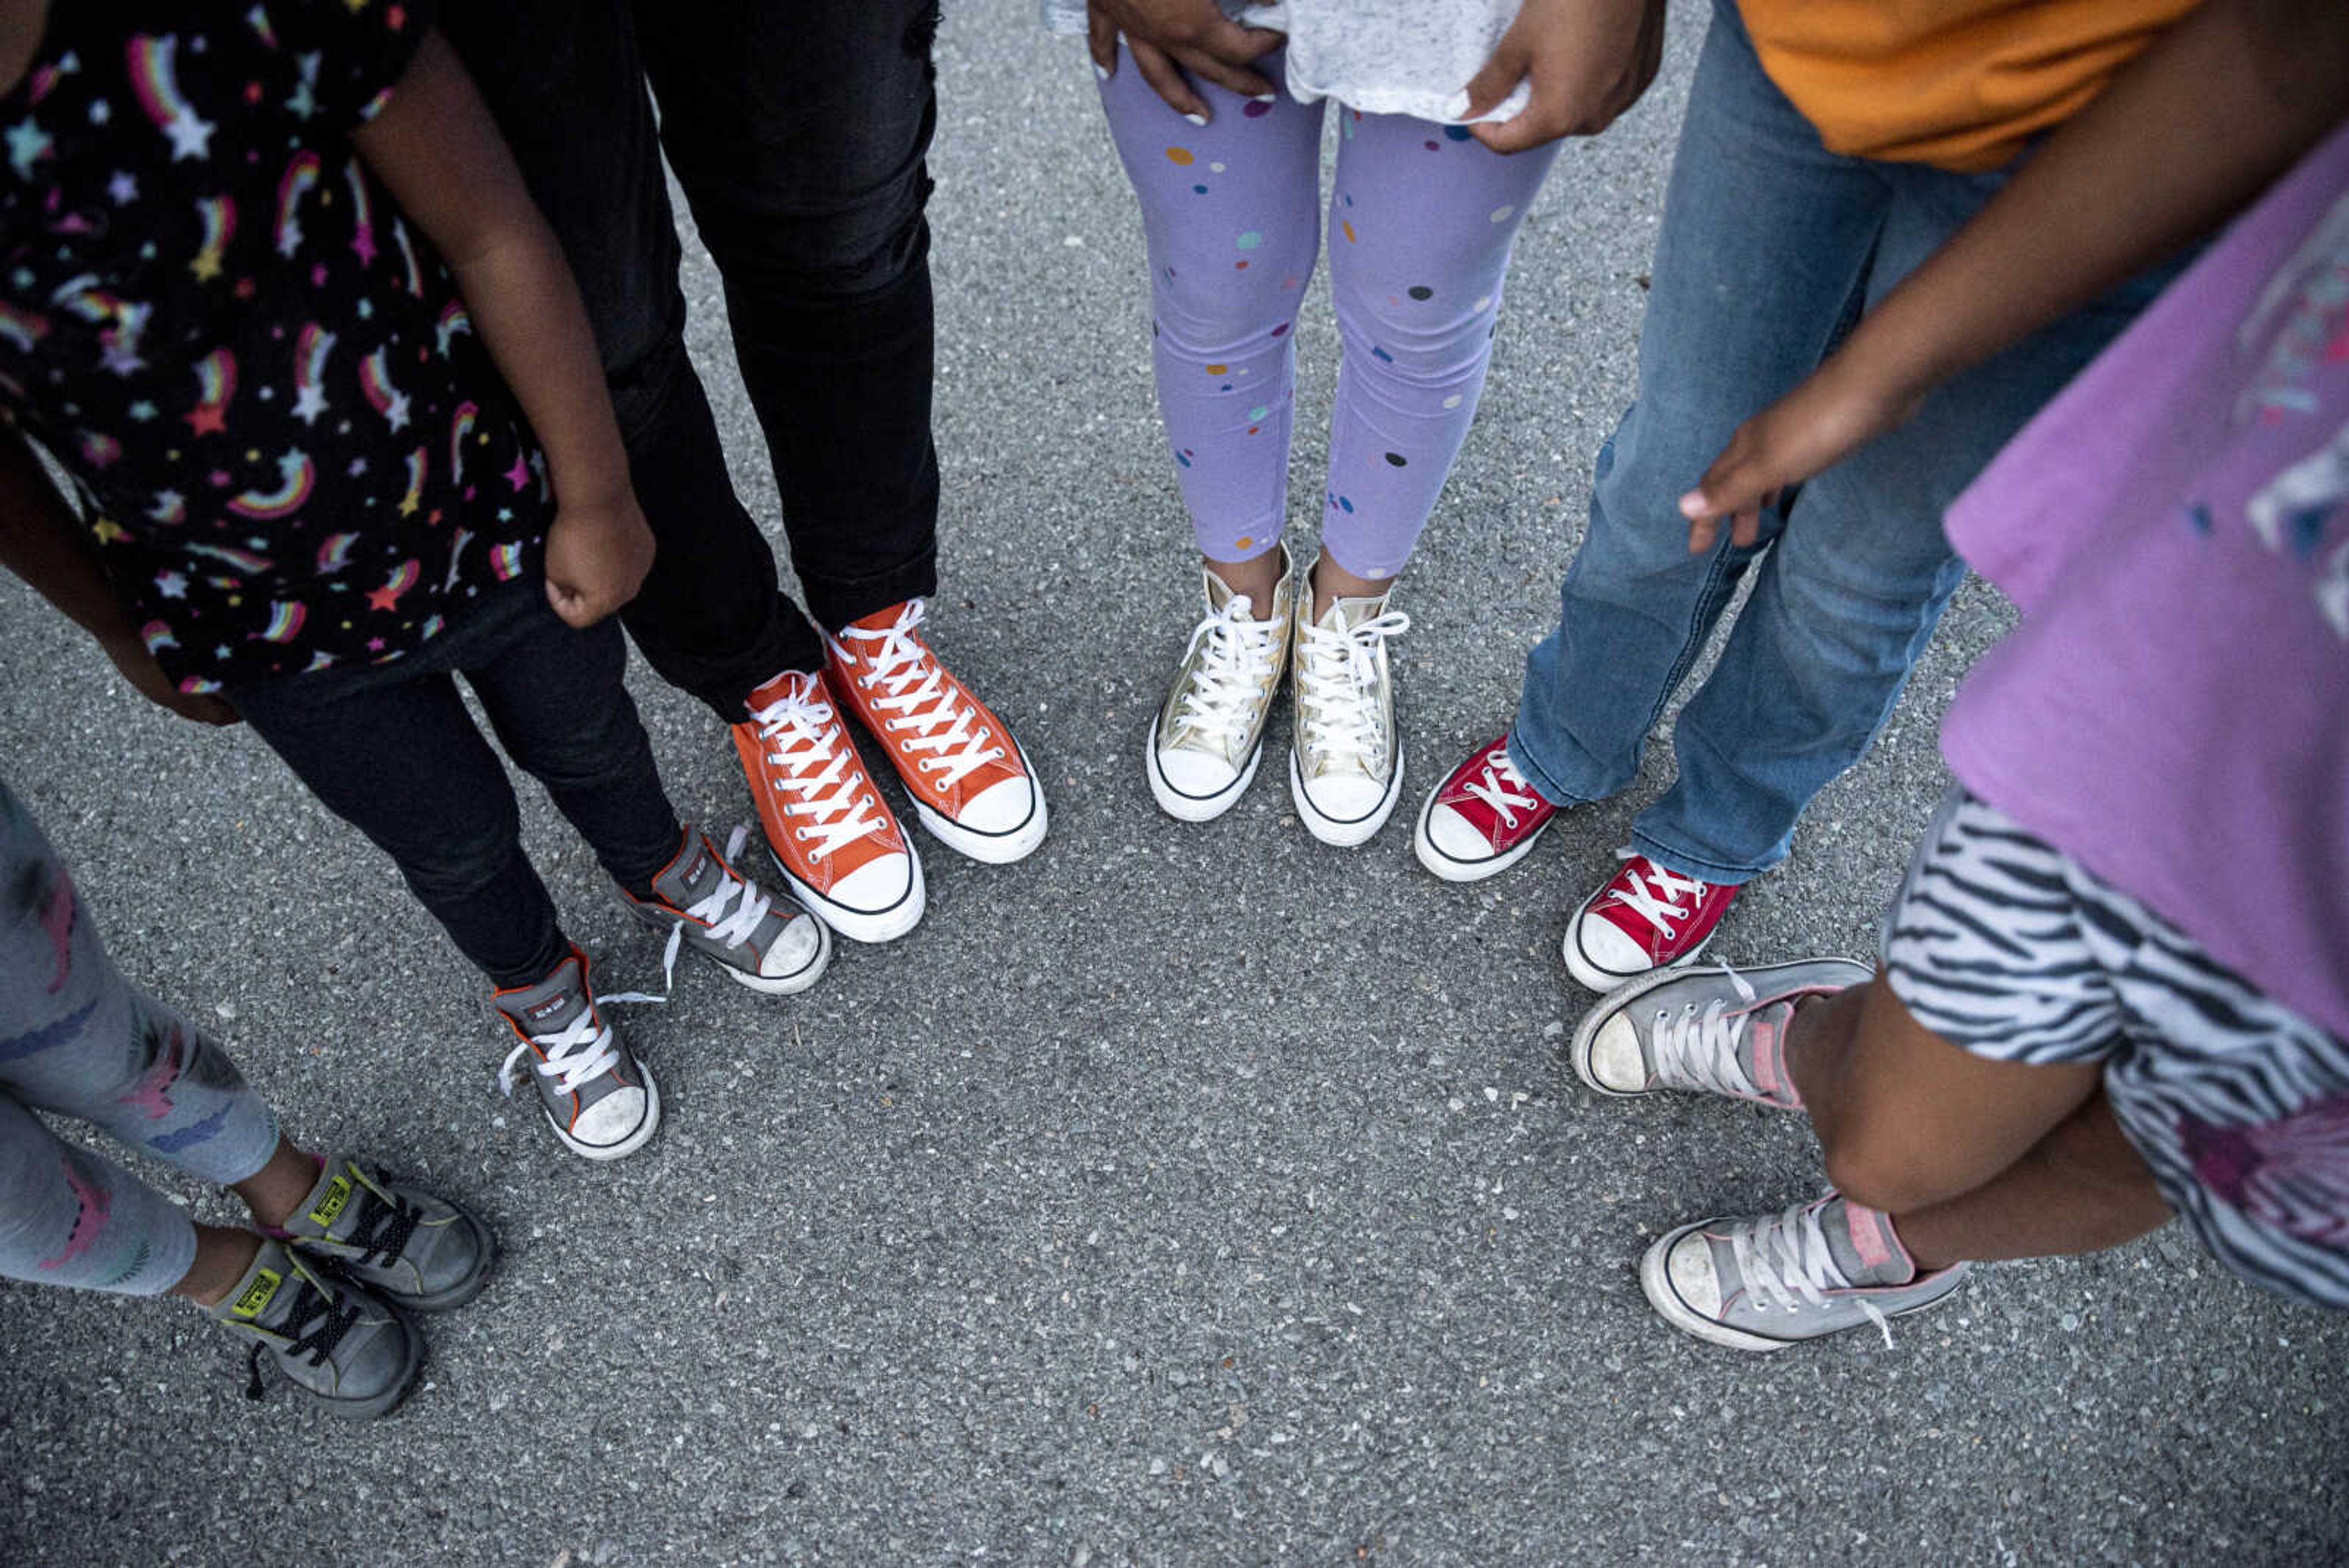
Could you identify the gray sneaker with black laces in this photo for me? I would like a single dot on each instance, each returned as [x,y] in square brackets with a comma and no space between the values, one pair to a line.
[416,1251]
[337,1343]
[599,1099]
[762,939]
[1775,1280]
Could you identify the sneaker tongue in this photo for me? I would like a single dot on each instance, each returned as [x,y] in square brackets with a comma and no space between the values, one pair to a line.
[1761,1052]
[881,619]
[549,1006]
[1862,1243]
[260,1296]
[773,691]
[691,877]
[1345,615]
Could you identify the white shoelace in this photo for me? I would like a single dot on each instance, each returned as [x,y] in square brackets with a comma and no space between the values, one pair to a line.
[1663,898]
[804,740]
[1700,1049]
[1340,716]
[1495,789]
[732,927]
[1230,683]
[920,701]
[575,1056]
[1786,1266]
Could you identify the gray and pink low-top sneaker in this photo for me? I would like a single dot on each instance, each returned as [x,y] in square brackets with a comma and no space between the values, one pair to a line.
[1712,1029]
[1775,1280]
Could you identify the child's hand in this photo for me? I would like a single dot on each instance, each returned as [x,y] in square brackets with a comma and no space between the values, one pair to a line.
[138,667]
[1589,61]
[1818,424]
[596,558]
[1168,37]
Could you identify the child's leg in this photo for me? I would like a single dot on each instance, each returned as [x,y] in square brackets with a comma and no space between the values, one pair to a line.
[1420,225]
[555,696]
[1230,212]
[1975,1159]
[69,1216]
[77,1039]
[400,758]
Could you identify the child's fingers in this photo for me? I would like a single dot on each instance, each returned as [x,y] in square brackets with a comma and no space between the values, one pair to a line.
[570,606]
[1101,42]
[1168,82]
[1489,86]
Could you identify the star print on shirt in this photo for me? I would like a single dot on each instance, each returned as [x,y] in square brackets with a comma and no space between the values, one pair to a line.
[27,145]
[123,189]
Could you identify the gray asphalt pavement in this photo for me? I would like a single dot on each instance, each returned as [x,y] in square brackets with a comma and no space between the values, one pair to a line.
[1179,1196]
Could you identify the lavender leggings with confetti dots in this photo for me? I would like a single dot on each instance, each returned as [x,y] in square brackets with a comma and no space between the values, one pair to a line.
[1421,222]
[76,1039]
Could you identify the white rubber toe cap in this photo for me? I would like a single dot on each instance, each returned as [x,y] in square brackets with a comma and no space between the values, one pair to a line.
[795,949]
[1197,776]
[879,885]
[1450,832]
[999,807]
[1689,1267]
[1615,1061]
[1600,943]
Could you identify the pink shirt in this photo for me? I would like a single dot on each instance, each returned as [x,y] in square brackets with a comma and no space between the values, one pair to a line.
[2174,711]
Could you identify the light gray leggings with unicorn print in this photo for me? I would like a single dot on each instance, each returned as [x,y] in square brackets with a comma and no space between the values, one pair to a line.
[76,1039]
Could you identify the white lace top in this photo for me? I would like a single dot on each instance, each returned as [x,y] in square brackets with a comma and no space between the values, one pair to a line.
[1380,56]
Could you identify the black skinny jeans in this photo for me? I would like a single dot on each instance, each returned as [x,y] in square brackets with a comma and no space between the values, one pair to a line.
[391,749]
[797,133]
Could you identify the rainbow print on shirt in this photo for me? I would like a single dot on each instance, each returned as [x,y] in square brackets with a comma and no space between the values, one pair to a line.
[375,385]
[154,79]
[218,216]
[301,178]
[311,346]
[295,477]
[216,385]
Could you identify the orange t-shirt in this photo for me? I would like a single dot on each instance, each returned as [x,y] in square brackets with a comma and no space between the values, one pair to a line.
[1960,84]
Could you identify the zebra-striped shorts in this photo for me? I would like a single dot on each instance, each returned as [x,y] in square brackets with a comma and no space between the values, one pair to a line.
[2006,946]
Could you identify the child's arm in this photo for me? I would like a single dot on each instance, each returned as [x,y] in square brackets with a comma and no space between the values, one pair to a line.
[46,545]
[435,146]
[2190,132]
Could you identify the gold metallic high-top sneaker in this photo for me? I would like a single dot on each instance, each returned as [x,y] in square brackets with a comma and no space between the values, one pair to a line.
[1209,732]
[1345,756]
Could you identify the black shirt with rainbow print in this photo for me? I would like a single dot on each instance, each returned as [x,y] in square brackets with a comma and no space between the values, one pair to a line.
[293,450]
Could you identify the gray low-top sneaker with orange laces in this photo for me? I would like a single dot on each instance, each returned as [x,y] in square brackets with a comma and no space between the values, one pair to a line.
[336,1342]
[416,1251]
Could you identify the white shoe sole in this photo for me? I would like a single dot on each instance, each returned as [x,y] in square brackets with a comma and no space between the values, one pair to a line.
[1593,978]
[1656,1285]
[991,848]
[1330,830]
[627,1146]
[1194,808]
[1444,867]
[863,925]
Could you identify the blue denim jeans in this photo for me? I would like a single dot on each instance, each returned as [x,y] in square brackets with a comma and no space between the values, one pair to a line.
[1770,243]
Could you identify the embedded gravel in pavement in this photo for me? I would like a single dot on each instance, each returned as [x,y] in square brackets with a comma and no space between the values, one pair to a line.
[1180,1195]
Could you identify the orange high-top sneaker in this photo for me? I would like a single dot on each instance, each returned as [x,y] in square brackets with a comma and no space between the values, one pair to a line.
[970,782]
[833,839]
